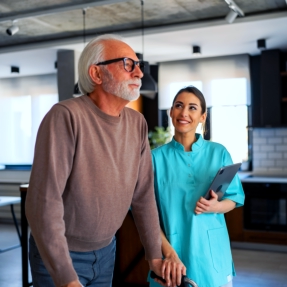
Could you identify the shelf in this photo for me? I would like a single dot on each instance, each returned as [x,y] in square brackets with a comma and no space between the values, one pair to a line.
[284,100]
[283,74]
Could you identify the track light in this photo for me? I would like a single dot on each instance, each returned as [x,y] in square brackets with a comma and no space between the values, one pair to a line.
[12,30]
[261,44]
[196,50]
[234,11]
[15,69]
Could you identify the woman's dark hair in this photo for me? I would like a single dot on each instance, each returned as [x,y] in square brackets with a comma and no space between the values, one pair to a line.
[199,95]
[196,92]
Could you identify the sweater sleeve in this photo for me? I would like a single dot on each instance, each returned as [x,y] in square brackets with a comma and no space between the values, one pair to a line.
[144,206]
[53,160]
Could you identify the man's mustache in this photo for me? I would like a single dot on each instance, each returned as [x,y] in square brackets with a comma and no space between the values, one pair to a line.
[135,82]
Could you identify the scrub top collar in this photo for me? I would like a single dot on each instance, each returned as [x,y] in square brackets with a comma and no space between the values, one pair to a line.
[195,146]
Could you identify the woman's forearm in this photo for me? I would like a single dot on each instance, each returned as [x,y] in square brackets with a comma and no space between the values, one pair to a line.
[225,205]
[167,249]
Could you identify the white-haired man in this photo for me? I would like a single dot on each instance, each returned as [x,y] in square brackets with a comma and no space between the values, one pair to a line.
[92,162]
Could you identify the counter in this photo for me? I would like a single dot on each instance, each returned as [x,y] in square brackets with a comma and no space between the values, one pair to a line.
[263,177]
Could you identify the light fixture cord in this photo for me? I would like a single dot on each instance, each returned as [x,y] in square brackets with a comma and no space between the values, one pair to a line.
[84,26]
[142,11]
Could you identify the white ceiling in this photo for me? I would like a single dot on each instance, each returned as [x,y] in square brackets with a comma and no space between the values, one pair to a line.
[216,38]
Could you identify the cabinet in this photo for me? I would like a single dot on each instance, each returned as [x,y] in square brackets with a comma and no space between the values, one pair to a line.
[263,218]
[131,268]
[269,89]
[283,75]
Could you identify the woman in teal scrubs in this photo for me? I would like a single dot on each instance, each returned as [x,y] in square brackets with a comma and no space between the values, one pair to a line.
[194,233]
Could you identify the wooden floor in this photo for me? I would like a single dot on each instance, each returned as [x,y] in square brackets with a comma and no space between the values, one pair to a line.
[254,268]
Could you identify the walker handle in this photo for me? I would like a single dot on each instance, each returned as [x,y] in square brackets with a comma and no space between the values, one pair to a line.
[153,276]
[184,280]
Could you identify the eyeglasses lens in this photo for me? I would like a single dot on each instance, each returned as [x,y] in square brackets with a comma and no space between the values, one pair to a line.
[129,64]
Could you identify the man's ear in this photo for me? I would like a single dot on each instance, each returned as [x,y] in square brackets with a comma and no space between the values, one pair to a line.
[95,74]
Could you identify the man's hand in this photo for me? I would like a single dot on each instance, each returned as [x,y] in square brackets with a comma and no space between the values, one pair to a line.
[172,270]
[75,283]
[156,266]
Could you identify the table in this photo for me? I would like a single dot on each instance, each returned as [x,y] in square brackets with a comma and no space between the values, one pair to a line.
[24,228]
[11,200]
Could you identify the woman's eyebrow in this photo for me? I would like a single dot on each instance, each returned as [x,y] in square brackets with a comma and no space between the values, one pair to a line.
[193,104]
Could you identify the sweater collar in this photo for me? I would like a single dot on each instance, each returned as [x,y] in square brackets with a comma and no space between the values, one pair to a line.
[100,113]
[195,146]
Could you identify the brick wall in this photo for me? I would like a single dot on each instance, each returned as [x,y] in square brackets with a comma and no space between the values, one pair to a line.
[270,149]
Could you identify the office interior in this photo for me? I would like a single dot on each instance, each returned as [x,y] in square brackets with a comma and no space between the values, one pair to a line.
[234,51]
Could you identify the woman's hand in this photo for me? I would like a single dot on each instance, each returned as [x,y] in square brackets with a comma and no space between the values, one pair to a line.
[208,206]
[172,271]
[213,205]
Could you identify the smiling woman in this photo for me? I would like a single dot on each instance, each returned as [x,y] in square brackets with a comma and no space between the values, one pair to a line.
[194,235]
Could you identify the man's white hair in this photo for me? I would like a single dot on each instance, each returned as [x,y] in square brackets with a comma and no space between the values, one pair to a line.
[92,53]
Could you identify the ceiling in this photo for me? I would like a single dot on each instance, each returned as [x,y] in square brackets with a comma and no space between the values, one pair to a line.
[171,28]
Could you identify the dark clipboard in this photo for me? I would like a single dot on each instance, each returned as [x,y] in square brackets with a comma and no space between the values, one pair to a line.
[222,180]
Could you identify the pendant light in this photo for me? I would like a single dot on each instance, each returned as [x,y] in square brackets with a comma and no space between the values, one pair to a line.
[77,91]
[149,86]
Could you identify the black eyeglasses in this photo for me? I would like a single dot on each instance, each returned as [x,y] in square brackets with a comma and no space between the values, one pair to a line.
[129,64]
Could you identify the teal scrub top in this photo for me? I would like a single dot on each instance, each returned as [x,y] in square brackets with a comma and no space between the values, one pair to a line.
[180,179]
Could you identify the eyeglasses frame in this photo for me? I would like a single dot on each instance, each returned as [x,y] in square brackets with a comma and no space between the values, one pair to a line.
[140,63]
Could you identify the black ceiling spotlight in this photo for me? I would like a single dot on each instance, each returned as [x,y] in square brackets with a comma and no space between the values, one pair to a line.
[12,29]
[15,69]
[234,11]
[261,44]
[149,86]
[196,50]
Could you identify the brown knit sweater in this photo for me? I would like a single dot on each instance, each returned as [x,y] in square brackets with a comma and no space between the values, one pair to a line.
[88,169]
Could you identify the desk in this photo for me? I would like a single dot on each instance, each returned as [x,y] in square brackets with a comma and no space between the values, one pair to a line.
[11,200]
[24,228]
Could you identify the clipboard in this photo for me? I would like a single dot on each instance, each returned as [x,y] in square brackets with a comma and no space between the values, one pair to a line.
[222,180]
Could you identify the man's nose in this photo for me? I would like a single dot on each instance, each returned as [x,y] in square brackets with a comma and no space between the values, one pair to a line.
[138,72]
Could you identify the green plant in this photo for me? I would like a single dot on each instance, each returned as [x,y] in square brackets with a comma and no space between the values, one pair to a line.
[159,136]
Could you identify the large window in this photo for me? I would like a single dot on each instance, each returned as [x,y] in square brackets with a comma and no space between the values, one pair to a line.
[20,117]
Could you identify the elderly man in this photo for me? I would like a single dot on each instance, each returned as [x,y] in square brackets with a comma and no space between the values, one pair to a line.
[92,162]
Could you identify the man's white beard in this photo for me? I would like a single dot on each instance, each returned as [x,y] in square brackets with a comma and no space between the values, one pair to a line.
[120,89]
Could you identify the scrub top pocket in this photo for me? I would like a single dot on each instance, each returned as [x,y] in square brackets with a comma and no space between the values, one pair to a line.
[220,249]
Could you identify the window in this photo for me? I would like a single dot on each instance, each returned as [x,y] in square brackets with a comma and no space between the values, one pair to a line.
[20,117]
[229,117]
